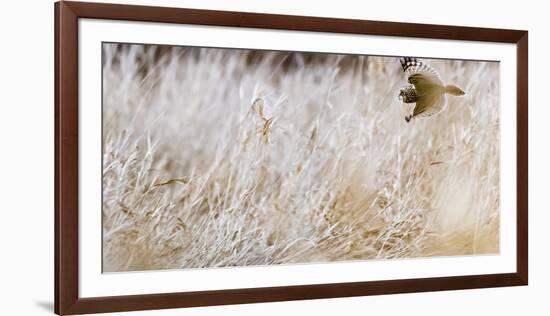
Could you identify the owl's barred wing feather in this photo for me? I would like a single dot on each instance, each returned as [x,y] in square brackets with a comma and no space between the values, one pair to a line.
[430,106]
[419,73]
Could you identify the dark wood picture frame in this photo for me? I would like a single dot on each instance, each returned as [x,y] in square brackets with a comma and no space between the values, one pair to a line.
[67,300]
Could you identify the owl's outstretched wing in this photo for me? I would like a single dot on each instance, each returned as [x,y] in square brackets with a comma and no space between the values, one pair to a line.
[430,105]
[419,73]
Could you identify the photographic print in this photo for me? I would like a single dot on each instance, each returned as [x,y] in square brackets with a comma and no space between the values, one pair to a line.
[219,157]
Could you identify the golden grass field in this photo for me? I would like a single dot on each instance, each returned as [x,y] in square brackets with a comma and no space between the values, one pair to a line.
[220,157]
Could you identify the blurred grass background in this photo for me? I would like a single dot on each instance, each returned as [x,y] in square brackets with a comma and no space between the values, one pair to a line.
[225,157]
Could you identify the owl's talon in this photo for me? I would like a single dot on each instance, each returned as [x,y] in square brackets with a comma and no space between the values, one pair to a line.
[408,118]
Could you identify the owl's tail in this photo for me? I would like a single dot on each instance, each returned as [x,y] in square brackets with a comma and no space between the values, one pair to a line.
[454,90]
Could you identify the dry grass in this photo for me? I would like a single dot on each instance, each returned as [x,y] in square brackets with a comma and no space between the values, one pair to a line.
[226,158]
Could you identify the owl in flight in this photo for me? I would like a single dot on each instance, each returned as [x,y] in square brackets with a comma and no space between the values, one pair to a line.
[425,88]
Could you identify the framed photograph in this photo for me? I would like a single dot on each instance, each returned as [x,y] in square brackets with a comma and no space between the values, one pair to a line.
[213,157]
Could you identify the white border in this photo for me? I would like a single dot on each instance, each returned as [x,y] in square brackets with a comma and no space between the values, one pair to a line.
[93,283]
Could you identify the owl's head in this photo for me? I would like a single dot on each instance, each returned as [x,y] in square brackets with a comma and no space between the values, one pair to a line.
[407,94]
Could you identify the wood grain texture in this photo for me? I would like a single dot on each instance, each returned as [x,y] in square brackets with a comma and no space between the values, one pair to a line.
[67,300]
